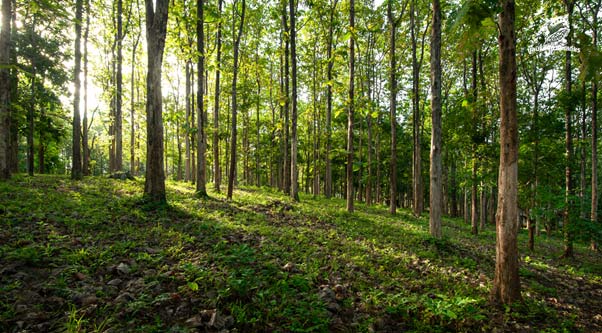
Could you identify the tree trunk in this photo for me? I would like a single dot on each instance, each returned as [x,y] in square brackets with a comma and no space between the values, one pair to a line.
[5,89]
[13,130]
[473,179]
[436,183]
[217,177]
[594,203]
[201,181]
[156,27]
[329,84]
[567,225]
[417,159]
[506,284]
[351,108]
[392,110]
[294,170]
[76,166]
[234,106]
[85,145]
[119,91]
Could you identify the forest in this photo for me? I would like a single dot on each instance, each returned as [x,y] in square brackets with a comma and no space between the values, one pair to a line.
[300,166]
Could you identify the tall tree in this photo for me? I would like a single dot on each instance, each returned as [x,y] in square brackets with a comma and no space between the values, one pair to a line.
[568,110]
[201,137]
[133,168]
[85,144]
[118,128]
[436,183]
[5,87]
[417,154]
[156,30]
[76,164]
[506,284]
[218,59]
[293,41]
[350,109]
[234,105]
[329,84]
[393,23]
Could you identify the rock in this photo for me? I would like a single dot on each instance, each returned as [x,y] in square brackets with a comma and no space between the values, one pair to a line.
[122,176]
[123,268]
[288,267]
[79,276]
[195,321]
[124,298]
[89,300]
[115,282]
[333,307]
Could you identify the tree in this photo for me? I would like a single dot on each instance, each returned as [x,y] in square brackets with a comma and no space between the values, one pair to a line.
[5,87]
[293,40]
[218,58]
[329,84]
[506,284]
[201,137]
[350,109]
[436,183]
[118,130]
[76,165]
[568,109]
[393,23]
[156,30]
[234,105]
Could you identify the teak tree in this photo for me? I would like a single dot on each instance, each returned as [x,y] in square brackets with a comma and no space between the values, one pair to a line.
[156,29]
[5,87]
[436,173]
[506,284]
[76,164]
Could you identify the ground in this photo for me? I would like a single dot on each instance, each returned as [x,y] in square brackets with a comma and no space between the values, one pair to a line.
[92,256]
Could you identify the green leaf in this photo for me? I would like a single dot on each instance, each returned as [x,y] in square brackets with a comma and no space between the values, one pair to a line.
[193,286]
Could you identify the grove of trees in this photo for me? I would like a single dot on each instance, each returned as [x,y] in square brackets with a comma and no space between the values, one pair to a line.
[483,110]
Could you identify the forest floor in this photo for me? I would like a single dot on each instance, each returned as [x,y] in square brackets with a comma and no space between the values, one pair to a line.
[90,256]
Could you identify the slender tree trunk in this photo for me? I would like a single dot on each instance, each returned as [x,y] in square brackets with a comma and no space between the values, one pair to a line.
[287,156]
[392,110]
[329,50]
[473,179]
[417,154]
[201,181]
[156,28]
[436,182]
[594,203]
[506,285]
[294,167]
[5,89]
[188,108]
[13,130]
[234,106]
[30,122]
[119,91]
[314,123]
[76,167]
[567,225]
[350,107]
[217,177]
[85,145]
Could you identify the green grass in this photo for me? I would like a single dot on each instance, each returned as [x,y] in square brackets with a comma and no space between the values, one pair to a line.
[264,263]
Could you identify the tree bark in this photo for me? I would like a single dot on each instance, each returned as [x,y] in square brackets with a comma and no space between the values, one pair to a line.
[76,166]
[85,145]
[5,89]
[201,181]
[329,50]
[294,139]
[417,155]
[234,106]
[350,107]
[567,225]
[156,28]
[506,284]
[436,183]
[217,178]
[392,110]
[119,91]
